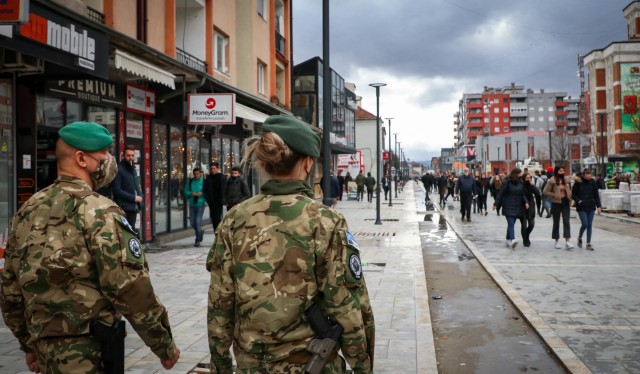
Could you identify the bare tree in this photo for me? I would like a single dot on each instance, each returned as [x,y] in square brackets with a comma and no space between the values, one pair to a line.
[561,148]
[541,154]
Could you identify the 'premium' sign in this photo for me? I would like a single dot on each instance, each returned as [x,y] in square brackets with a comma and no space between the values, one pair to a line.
[211,109]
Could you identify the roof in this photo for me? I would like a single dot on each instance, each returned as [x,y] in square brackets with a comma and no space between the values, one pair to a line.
[363,114]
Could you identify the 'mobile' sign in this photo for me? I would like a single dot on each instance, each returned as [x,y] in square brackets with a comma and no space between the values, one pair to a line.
[211,109]
[62,40]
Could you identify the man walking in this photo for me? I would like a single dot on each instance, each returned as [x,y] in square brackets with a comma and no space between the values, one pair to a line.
[70,278]
[370,183]
[360,185]
[213,191]
[466,189]
[126,187]
[236,189]
[194,195]
[427,182]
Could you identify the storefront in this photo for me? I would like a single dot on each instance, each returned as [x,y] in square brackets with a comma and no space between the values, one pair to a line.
[50,69]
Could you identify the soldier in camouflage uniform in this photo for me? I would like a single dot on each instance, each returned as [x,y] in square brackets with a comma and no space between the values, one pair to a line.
[72,259]
[275,255]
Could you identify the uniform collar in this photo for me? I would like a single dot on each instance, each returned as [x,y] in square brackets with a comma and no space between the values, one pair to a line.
[74,180]
[286,187]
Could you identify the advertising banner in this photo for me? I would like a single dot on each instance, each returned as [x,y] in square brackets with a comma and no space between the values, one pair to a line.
[630,88]
[211,109]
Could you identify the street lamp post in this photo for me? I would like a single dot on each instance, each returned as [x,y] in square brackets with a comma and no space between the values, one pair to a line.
[395,186]
[517,151]
[603,167]
[487,106]
[498,159]
[326,117]
[377,87]
[389,175]
[550,149]
[399,165]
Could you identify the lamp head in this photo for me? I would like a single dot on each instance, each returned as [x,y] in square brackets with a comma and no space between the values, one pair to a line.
[377,84]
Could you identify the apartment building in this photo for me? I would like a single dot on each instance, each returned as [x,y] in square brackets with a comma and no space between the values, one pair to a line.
[130,66]
[613,81]
[498,127]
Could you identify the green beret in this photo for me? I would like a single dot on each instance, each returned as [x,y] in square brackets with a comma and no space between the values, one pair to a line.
[86,136]
[295,133]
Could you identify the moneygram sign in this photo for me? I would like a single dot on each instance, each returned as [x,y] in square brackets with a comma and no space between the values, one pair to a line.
[211,109]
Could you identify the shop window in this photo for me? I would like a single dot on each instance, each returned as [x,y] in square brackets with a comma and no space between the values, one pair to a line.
[161,194]
[227,161]
[176,178]
[216,150]
[6,157]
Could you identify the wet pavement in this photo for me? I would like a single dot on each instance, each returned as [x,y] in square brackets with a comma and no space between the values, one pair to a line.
[584,304]
[476,328]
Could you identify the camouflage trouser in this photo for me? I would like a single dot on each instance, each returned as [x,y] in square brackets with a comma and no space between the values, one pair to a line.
[337,366]
[69,355]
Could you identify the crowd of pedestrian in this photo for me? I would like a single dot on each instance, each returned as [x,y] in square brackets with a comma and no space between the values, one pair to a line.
[523,194]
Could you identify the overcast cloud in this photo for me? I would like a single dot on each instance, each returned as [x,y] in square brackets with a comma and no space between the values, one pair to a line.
[430,52]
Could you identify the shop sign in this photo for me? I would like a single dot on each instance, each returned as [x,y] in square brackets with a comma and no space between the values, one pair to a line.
[211,109]
[13,11]
[141,100]
[134,129]
[95,91]
[54,37]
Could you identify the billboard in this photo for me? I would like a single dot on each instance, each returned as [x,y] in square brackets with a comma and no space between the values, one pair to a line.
[630,90]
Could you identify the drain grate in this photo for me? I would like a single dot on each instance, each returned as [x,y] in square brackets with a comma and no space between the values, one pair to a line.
[372,234]
[384,219]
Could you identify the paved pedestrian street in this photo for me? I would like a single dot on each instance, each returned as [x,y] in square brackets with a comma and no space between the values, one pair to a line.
[585,305]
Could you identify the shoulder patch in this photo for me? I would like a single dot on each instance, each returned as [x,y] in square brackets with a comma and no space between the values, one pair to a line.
[135,248]
[351,240]
[355,267]
[125,223]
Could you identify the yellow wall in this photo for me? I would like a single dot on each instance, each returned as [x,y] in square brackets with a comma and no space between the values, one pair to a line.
[155,25]
[125,17]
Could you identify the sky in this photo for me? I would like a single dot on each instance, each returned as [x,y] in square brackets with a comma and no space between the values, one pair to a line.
[430,52]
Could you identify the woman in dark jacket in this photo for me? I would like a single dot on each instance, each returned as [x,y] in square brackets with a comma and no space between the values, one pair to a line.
[482,186]
[529,220]
[585,194]
[513,202]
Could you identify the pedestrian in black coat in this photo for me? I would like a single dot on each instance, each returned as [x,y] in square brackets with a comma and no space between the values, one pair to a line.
[126,187]
[513,202]
[528,220]
[587,198]
[213,193]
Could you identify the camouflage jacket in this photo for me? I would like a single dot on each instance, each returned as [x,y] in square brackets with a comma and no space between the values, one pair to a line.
[71,258]
[273,256]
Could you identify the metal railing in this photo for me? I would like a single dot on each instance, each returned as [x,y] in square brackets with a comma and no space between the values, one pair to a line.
[190,60]
[280,44]
[95,15]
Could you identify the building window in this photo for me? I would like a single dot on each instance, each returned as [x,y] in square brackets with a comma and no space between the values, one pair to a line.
[261,72]
[496,119]
[263,9]
[506,129]
[505,110]
[505,119]
[496,129]
[221,52]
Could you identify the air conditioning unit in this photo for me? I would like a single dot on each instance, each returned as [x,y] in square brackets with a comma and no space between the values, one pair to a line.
[18,62]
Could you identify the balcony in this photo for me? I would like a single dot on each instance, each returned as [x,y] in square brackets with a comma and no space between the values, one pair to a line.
[95,15]
[562,123]
[280,44]
[562,114]
[561,104]
[190,60]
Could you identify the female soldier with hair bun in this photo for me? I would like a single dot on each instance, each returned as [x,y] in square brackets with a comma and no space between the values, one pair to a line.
[277,254]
